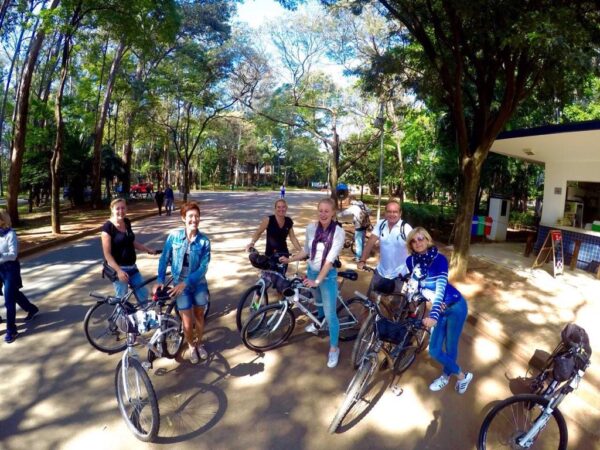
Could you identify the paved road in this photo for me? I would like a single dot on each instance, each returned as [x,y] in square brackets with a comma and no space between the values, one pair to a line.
[58,392]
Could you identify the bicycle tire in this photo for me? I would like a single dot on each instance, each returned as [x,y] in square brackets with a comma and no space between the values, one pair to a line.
[359,313]
[364,339]
[257,332]
[421,333]
[100,328]
[247,306]
[141,404]
[171,341]
[353,394]
[513,416]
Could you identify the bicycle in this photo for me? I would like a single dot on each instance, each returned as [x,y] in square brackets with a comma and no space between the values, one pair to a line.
[272,325]
[395,306]
[272,274]
[349,237]
[100,322]
[135,394]
[534,420]
[399,341]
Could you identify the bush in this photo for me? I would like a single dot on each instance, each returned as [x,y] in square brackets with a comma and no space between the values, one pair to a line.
[518,220]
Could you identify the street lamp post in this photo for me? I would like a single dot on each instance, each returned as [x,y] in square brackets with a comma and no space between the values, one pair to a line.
[379,123]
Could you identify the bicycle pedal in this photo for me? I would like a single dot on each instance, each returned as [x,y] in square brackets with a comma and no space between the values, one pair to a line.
[397,390]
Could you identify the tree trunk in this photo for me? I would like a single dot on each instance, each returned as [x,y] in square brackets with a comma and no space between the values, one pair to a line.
[470,175]
[22,107]
[3,9]
[186,178]
[99,130]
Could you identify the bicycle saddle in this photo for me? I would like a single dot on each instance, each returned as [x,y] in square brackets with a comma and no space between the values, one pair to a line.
[349,275]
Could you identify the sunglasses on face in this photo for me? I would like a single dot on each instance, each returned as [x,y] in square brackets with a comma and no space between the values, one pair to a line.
[418,239]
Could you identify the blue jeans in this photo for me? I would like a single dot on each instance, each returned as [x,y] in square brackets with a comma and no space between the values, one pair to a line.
[10,275]
[193,296]
[326,295]
[135,281]
[359,242]
[443,344]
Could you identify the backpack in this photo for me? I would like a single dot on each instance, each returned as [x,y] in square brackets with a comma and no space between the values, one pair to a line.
[402,226]
[365,219]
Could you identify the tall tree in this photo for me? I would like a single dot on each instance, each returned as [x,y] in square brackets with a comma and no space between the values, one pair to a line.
[478,60]
[21,121]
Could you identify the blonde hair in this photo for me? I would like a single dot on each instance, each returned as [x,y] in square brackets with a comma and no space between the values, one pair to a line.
[329,201]
[413,233]
[117,200]
[5,221]
[280,201]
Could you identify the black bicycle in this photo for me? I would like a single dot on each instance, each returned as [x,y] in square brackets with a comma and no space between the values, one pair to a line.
[394,306]
[399,343]
[533,420]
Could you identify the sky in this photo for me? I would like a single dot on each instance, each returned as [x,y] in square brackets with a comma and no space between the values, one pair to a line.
[255,12]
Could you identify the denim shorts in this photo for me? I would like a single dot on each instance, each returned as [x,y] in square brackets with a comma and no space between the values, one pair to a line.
[193,296]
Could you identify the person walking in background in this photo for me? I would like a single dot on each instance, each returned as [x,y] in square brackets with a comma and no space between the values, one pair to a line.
[359,213]
[187,250]
[159,197]
[324,242]
[282,191]
[169,200]
[118,247]
[10,278]
[429,275]
[391,233]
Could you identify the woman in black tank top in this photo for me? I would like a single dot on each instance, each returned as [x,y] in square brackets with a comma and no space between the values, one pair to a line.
[278,227]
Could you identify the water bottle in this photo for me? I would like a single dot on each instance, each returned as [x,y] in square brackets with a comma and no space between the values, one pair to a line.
[151,320]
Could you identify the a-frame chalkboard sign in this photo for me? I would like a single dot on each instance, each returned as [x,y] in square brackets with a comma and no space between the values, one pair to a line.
[553,245]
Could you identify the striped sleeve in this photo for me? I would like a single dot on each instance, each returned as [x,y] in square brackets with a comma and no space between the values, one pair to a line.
[438,275]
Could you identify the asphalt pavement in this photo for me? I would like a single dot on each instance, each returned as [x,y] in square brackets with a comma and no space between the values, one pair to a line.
[58,392]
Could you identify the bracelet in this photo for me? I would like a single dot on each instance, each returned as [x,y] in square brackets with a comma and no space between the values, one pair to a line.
[317,282]
[362,261]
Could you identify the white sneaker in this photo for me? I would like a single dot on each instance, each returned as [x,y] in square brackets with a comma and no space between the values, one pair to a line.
[462,385]
[193,355]
[311,328]
[439,383]
[333,359]
[202,352]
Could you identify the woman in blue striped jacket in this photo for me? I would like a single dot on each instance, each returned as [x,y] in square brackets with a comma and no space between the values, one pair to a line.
[429,274]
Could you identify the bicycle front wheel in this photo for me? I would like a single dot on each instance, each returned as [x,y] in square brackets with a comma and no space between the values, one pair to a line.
[268,328]
[101,331]
[137,400]
[512,418]
[351,318]
[364,340]
[353,393]
[250,302]
[172,340]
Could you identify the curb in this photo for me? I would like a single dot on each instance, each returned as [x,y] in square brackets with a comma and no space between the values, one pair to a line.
[73,237]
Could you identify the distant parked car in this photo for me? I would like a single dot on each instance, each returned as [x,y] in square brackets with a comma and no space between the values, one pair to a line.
[141,188]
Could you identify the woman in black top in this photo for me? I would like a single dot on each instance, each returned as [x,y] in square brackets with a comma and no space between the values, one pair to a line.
[119,246]
[278,227]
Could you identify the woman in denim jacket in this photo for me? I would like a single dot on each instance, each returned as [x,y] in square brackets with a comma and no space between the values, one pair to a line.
[187,250]
[429,275]
[10,278]
[324,242]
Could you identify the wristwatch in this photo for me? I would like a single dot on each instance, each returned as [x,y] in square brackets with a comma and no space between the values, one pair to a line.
[317,282]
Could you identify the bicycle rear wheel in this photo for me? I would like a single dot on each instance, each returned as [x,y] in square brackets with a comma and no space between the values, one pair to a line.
[364,340]
[353,393]
[250,302]
[137,400]
[513,418]
[352,318]
[100,327]
[268,328]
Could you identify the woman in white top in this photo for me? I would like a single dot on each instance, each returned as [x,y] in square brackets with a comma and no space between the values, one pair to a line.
[324,242]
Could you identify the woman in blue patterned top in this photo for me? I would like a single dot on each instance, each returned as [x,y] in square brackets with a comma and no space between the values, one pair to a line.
[187,250]
[429,274]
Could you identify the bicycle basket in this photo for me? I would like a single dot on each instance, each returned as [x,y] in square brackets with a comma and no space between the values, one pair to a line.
[564,367]
[389,331]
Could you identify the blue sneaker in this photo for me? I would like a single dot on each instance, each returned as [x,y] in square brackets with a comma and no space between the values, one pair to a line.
[10,336]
